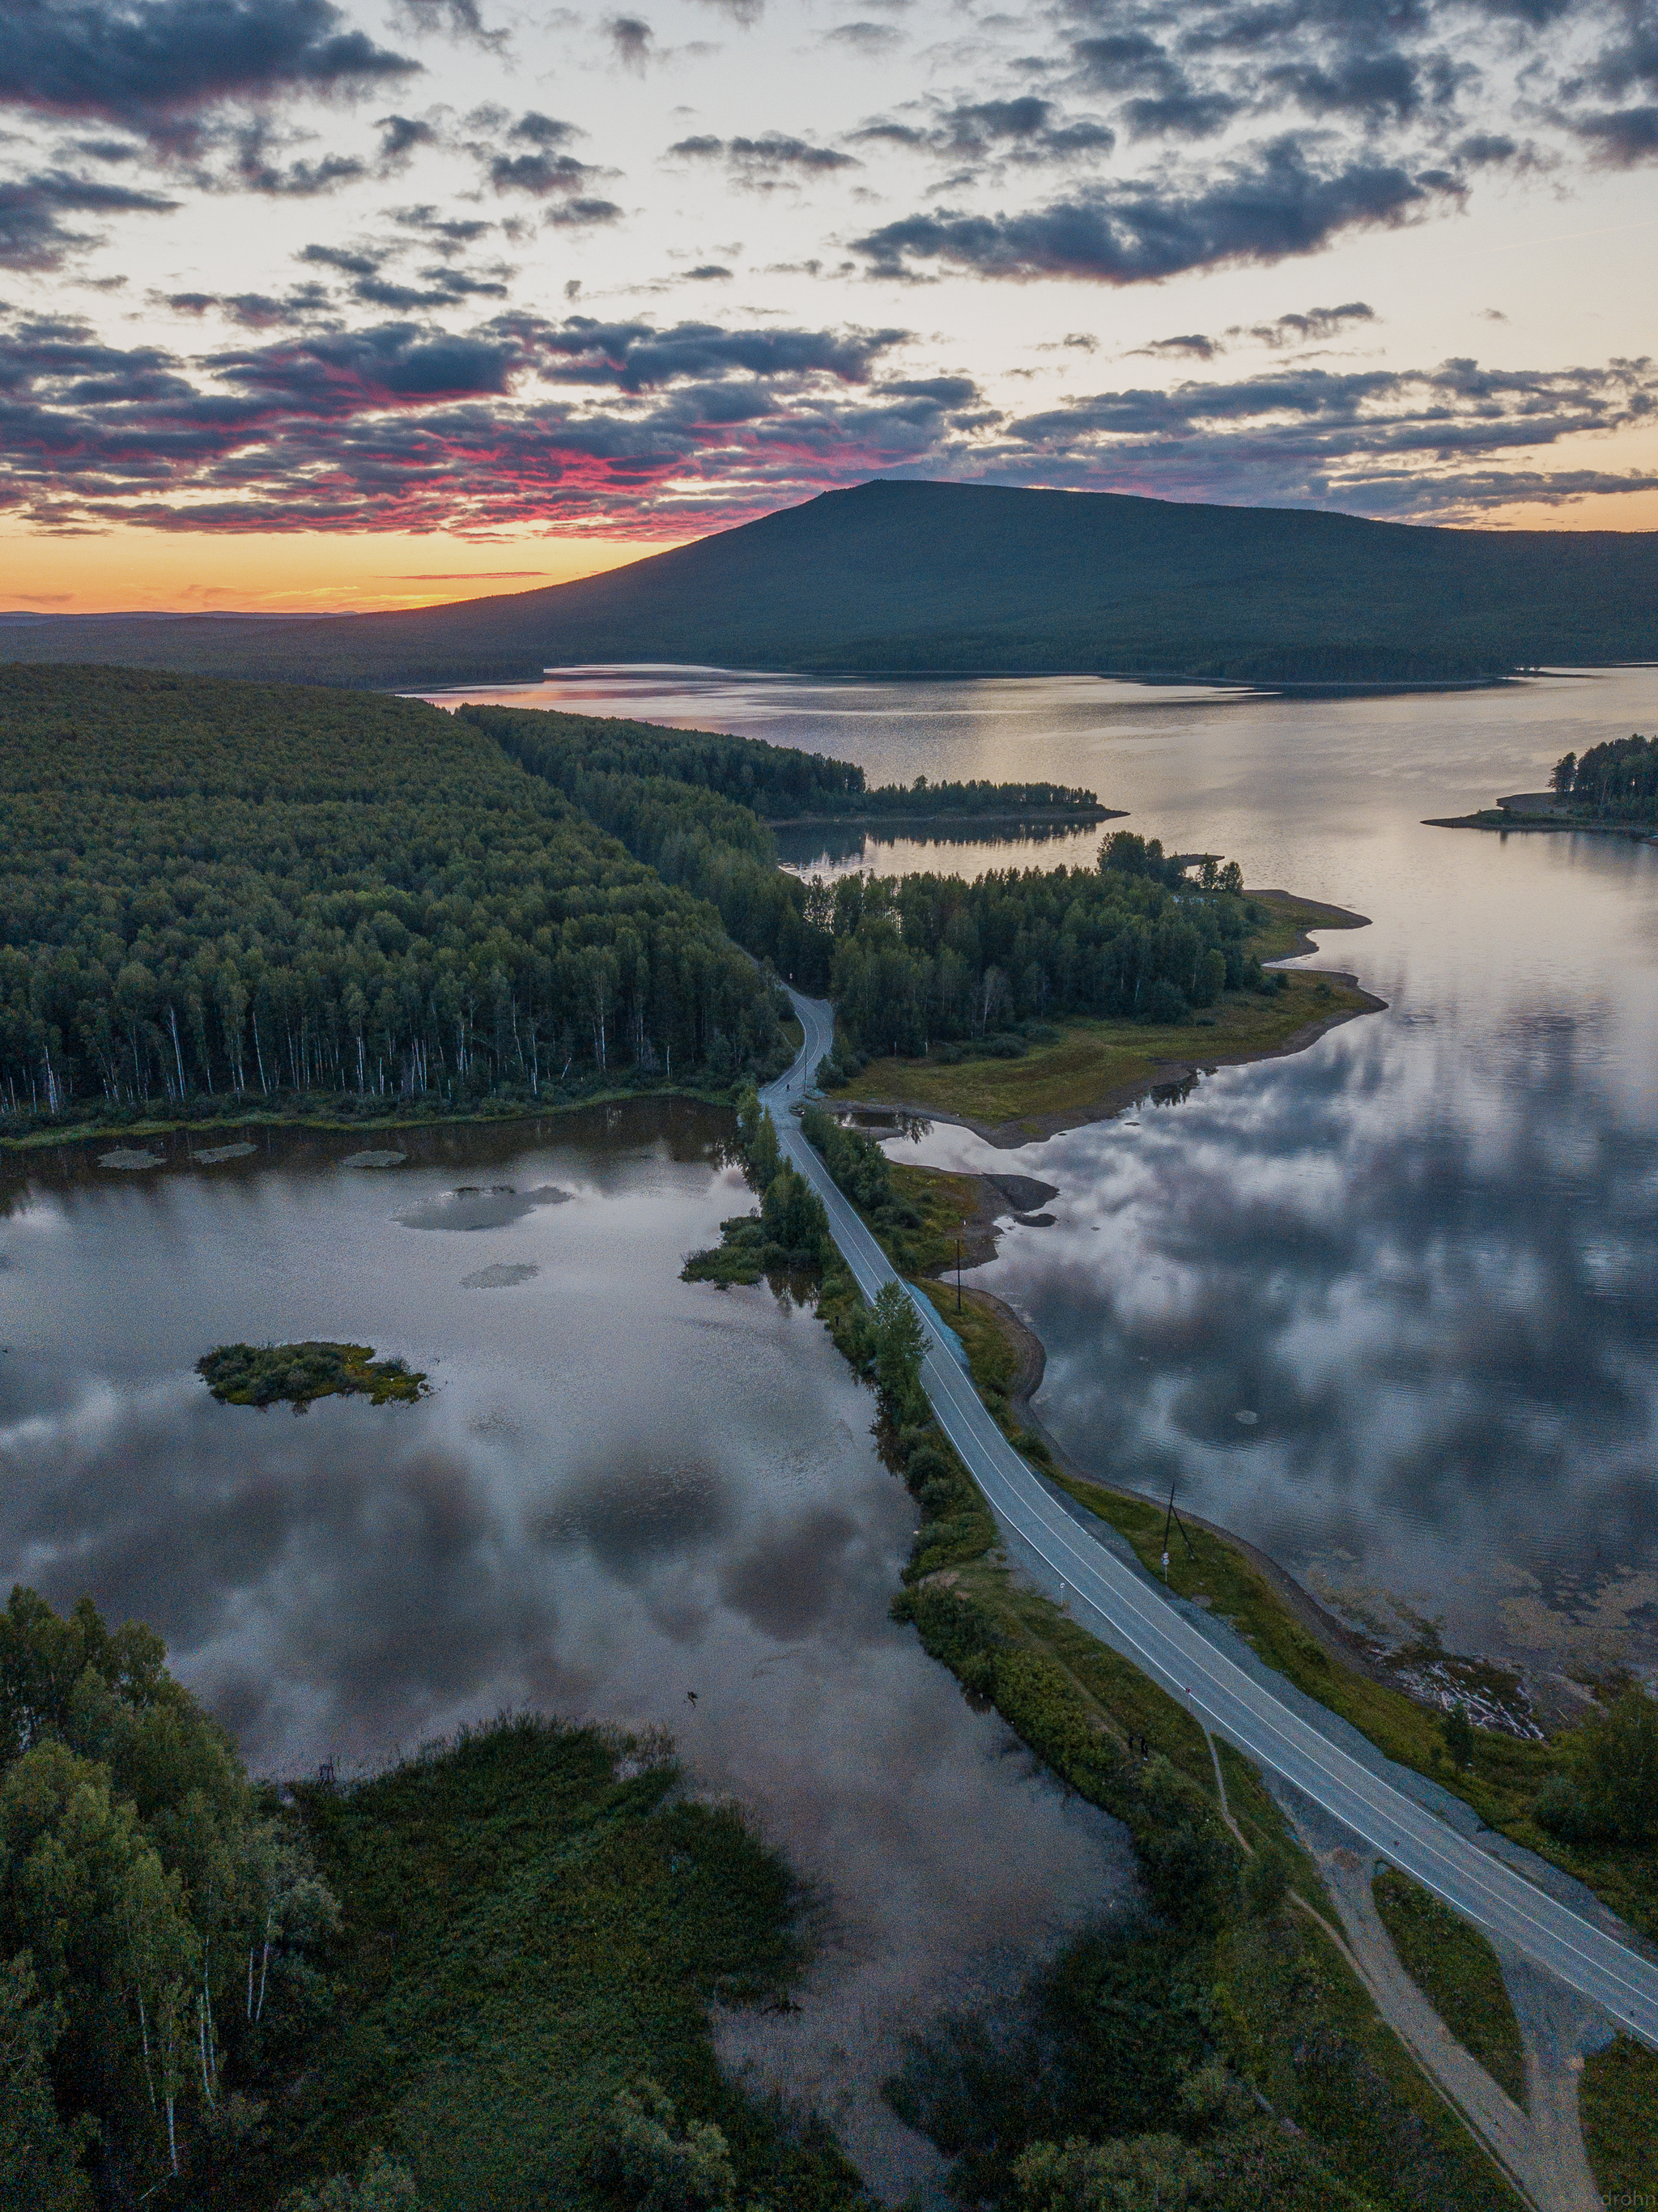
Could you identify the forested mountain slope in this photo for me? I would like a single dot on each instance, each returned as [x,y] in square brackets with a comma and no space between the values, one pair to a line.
[210,887]
[914,578]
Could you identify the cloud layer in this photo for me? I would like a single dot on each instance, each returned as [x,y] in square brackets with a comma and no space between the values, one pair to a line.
[410,357]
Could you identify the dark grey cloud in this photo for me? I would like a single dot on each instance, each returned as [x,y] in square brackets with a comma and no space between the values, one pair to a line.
[444,233]
[456,19]
[707,272]
[1365,85]
[1180,114]
[405,426]
[368,283]
[1317,324]
[1371,440]
[772,154]
[39,215]
[583,213]
[630,39]
[1622,138]
[872,39]
[255,311]
[258,162]
[401,137]
[637,357]
[1274,206]
[374,428]
[534,159]
[156,64]
[1193,345]
[1309,328]
[1023,131]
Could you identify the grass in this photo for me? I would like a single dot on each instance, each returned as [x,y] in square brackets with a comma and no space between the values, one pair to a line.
[944,1202]
[531,1924]
[296,1374]
[1099,1065]
[1457,1971]
[1283,934]
[334,1109]
[1287,2011]
[1618,2102]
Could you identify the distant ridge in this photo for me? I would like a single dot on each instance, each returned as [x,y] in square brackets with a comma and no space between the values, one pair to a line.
[928,579]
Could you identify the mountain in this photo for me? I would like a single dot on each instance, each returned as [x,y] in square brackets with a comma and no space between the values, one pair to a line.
[917,578]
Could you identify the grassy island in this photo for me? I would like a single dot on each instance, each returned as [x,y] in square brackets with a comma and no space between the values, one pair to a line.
[295,1374]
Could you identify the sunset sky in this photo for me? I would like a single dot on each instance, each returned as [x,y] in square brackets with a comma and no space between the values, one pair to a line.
[308,304]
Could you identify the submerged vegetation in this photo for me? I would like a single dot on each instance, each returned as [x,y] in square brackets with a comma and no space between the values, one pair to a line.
[295,1374]
[478,1983]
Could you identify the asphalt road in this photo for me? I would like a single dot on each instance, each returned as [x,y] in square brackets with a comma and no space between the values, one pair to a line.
[1138,1623]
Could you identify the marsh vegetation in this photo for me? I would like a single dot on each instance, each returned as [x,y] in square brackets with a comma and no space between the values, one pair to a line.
[296,1373]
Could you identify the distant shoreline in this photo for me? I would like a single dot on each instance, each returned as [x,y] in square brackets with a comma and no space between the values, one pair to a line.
[1494,818]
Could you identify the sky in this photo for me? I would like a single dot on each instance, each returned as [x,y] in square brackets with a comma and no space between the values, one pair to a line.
[309,305]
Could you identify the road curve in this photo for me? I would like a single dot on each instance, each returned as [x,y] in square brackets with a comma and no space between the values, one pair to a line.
[1138,1622]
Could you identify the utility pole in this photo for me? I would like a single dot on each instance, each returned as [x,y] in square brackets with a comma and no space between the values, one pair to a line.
[1170,1521]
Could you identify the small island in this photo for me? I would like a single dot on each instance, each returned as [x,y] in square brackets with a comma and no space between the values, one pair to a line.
[295,1374]
[1613,790]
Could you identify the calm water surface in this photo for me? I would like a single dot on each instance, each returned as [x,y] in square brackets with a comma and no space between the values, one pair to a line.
[1423,1254]
[623,1488]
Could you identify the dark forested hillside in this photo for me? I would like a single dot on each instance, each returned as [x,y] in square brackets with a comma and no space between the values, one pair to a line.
[210,888]
[912,578]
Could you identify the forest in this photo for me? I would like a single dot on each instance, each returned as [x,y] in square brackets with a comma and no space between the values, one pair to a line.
[925,957]
[780,783]
[1614,782]
[233,890]
[217,893]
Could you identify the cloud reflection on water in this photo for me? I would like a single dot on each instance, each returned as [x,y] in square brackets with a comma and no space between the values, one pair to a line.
[1426,1275]
[623,1488]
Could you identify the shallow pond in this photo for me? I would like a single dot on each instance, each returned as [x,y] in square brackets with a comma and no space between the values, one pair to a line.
[624,1489]
[1423,1254]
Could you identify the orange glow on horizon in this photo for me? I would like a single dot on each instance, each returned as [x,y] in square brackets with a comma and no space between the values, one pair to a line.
[133,571]
[128,570]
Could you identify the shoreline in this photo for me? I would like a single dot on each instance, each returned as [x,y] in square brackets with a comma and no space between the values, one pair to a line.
[1037,1128]
[1046,817]
[1331,1634]
[263,1118]
[1494,817]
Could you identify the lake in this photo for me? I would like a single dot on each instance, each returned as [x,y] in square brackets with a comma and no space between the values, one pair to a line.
[623,1489]
[1423,1254]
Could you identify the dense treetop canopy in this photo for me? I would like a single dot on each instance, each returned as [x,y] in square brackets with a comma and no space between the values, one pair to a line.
[227,887]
